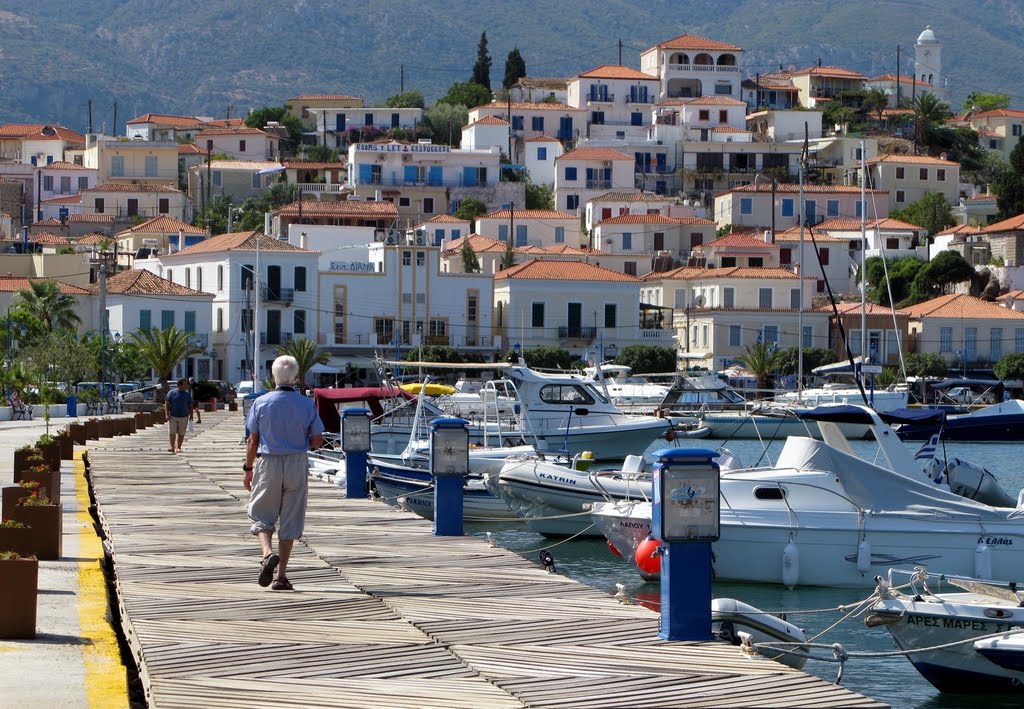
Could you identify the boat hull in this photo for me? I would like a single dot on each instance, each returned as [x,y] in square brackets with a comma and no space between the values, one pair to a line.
[732,426]
[478,504]
[991,429]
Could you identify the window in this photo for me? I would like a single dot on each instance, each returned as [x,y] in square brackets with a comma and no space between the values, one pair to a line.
[940,174]
[794,298]
[572,202]
[199,277]
[704,115]
[166,319]
[133,207]
[823,255]
[946,339]
[190,321]
[404,201]
[209,145]
[995,344]
[858,209]
[728,261]
[1016,129]
[421,258]
[396,120]
[164,205]
[570,174]
[384,328]
[771,335]
[428,205]
[746,205]
[300,278]
[559,234]
[170,275]
[220,278]
[755,262]
[339,313]
[407,258]
[1018,340]
[723,116]
[597,118]
[832,208]
[503,232]
[117,166]
[537,315]
[247,276]
[537,123]
[83,183]
[610,315]
[808,336]
[521,235]
[764,298]
[368,119]
[788,209]
[735,335]
[146,320]
[900,196]
[299,322]
[216,180]
[900,173]
[627,241]
[922,173]
[970,344]
[729,297]
[542,153]
[48,183]
[517,123]
[220,319]
[150,166]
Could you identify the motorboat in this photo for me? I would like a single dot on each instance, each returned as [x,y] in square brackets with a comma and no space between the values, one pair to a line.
[767,420]
[557,412]
[839,391]
[740,623]
[963,635]
[822,516]
[555,499]
[1002,422]
[413,489]
[631,393]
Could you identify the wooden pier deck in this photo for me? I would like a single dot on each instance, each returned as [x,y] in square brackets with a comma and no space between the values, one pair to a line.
[384,614]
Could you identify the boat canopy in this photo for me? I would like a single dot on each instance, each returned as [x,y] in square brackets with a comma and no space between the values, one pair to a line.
[994,384]
[842,367]
[858,414]
[328,399]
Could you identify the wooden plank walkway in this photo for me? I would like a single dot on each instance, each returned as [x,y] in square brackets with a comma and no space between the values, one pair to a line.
[384,613]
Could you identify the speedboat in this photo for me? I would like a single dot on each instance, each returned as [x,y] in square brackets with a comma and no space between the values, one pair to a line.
[1002,422]
[557,412]
[632,394]
[822,516]
[963,635]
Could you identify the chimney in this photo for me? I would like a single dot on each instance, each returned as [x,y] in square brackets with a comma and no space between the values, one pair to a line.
[376,195]
[266,223]
[302,239]
[769,237]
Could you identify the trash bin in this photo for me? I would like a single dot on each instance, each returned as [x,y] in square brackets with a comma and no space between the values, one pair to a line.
[213,403]
[72,405]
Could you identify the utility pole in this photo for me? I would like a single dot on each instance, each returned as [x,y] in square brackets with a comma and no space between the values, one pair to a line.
[508,112]
[401,78]
[620,52]
[209,187]
[800,271]
[103,325]
[897,76]
[114,130]
[913,100]
[90,115]
[256,316]
[863,260]
[325,127]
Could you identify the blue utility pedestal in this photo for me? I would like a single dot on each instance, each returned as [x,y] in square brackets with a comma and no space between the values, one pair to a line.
[449,464]
[686,519]
[72,405]
[355,442]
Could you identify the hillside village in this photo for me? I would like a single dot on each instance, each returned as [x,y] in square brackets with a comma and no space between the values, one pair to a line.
[685,203]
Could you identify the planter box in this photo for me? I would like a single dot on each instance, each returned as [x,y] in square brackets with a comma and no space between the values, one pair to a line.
[77,433]
[18,540]
[51,454]
[18,598]
[232,406]
[140,420]
[11,496]
[47,529]
[92,429]
[108,428]
[50,482]
[21,460]
[67,447]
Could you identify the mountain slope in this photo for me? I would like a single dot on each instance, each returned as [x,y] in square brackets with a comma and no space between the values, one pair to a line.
[206,58]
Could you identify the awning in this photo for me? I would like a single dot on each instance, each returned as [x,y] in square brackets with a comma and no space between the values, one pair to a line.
[858,414]
[842,367]
[268,170]
[323,369]
[950,383]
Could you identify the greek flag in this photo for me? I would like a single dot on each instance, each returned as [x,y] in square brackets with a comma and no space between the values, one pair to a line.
[928,449]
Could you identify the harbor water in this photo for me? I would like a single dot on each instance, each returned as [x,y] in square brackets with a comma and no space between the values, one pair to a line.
[892,679]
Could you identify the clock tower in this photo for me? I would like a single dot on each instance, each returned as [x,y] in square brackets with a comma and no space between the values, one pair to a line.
[928,63]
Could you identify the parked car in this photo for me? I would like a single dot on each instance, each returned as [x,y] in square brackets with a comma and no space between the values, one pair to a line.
[225,392]
[244,387]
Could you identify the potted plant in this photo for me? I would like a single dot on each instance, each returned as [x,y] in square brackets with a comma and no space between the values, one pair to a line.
[27,457]
[49,449]
[44,517]
[15,536]
[48,479]
[13,494]
[76,431]
[18,591]
[65,444]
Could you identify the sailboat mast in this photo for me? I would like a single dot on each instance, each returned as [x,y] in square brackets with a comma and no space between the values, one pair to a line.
[863,260]
[800,276]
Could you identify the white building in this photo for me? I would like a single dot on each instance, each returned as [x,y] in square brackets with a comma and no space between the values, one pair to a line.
[132,162]
[486,133]
[689,67]
[646,237]
[928,62]
[584,173]
[751,205]
[60,179]
[908,178]
[239,143]
[531,227]
[837,258]
[886,237]
[532,119]
[126,202]
[617,101]
[444,229]
[540,155]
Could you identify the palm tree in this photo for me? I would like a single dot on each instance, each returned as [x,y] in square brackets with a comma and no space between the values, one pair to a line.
[162,350]
[762,359]
[44,301]
[306,353]
[930,115]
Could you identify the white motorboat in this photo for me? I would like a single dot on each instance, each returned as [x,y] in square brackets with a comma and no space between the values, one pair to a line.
[558,412]
[413,489]
[632,394]
[739,623]
[823,516]
[555,499]
[963,635]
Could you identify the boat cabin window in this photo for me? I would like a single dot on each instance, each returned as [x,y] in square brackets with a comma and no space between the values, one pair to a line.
[769,493]
[565,394]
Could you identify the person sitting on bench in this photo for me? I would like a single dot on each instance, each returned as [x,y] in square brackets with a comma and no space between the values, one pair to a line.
[21,410]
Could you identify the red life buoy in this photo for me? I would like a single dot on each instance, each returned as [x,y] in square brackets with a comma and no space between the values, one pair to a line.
[612,549]
[647,557]
[670,435]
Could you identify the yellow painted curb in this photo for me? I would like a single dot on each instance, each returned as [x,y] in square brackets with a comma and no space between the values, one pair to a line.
[105,679]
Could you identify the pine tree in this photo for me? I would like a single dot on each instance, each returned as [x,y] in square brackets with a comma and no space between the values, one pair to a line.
[508,259]
[515,68]
[470,263]
[482,68]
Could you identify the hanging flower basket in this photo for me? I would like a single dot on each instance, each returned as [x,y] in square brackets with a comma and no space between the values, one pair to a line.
[47,526]
[18,589]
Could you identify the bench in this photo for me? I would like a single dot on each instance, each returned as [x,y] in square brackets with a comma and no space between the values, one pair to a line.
[115,405]
[19,410]
[93,408]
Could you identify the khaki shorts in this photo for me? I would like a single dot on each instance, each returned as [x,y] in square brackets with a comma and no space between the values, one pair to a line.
[177,425]
[279,491]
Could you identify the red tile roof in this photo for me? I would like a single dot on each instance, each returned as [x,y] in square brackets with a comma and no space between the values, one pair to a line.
[912,159]
[738,241]
[239,241]
[834,72]
[446,219]
[615,71]
[871,309]
[190,149]
[637,196]
[118,187]
[311,165]
[793,235]
[325,97]
[66,199]
[55,133]
[542,138]
[142,282]
[996,113]
[52,221]
[94,238]
[481,244]
[853,224]
[639,219]
[962,306]
[165,119]
[46,237]
[903,79]
[691,41]
[530,106]
[713,101]
[17,130]
[1012,224]
[564,271]
[229,130]
[490,121]
[789,188]
[528,214]
[162,224]
[690,273]
[728,129]
[64,165]
[92,218]
[594,154]
[964,229]
[13,284]
[340,208]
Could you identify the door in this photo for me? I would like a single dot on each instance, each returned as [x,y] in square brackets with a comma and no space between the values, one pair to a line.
[273,327]
[565,128]
[574,319]
[810,212]
[339,123]
[273,282]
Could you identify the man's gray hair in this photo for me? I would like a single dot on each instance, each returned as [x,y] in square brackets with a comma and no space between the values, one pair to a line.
[285,370]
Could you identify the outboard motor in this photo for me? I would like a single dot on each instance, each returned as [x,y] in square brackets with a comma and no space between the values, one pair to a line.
[976,483]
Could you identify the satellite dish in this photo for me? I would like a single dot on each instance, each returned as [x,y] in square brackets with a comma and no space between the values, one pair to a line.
[699,301]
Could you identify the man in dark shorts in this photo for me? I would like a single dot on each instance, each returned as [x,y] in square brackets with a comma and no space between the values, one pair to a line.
[193,389]
[178,407]
[283,426]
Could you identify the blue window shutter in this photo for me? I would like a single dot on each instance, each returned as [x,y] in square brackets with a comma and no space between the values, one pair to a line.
[456,233]
[410,173]
[365,174]
[438,236]
[542,153]
[469,176]
[145,319]
[339,122]
[503,232]
[434,175]
[559,234]
[570,173]
[190,321]
[520,235]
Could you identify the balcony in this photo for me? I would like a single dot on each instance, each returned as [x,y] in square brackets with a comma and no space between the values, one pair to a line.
[683,68]
[318,187]
[601,98]
[640,99]
[599,184]
[275,338]
[278,295]
[652,335]
[577,332]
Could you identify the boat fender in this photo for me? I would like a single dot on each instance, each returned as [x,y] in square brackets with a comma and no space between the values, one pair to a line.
[1020,499]
[548,561]
[864,556]
[790,565]
[612,549]
[670,435]
[982,561]
[647,557]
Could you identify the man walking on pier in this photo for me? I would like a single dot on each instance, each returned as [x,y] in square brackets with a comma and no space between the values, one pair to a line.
[178,407]
[283,426]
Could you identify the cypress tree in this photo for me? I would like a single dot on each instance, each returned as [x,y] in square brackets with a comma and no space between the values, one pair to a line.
[482,68]
[515,68]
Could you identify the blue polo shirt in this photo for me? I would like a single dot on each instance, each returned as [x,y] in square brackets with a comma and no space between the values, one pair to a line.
[285,420]
[179,402]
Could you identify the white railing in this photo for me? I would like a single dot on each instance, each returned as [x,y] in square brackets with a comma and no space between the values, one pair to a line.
[660,335]
[319,187]
[701,67]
